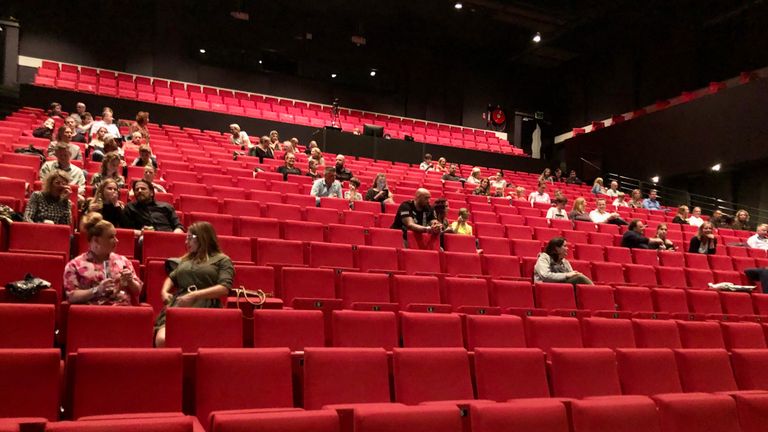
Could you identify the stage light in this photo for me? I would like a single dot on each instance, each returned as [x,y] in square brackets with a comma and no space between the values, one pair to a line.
[333,75]
[655,179]
[537,37]
[373,72]
[458,6]
[260,62]
[716,167]
[202,51]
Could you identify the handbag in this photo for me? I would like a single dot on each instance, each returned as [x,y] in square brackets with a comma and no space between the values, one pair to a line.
[28,287]
[252,300]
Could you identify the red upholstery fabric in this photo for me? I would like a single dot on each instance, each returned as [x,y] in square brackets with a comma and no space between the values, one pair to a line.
[749,368]
[27,325]
[647,371]
[431,374]
[552,332]
[579,373]
[607,333]
[696,334]
[109,327]
[364,329]
[534,416]
[510,373]
[689,412]
[295,329]
[281,421]
[29,386]
[625,414]
[504,331]
[431,330]
[705,370]
[656,334]
[193,328]
[411,419]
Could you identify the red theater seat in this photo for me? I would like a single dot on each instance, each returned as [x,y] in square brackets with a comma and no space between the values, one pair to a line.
[426,330]
[364,329]
[30,383]
[647,371]
[295,329]
[194,328]
[579,373]
[431,374]
[27,325]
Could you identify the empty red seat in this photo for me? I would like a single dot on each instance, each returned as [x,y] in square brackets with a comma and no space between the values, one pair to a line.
[222,223]
[461,263]
[529,415]
[749,368]
[647,371]
[415,292]
[431,330]
[109,327]
[698,278]
[431,374]
[525,248]
[497,381]
[640,274]
[578,373]
[27,325]
[162,245]
[193,328]
[411,418]
[331,255]
[705,370]
[26,237]
[738,335]
[671,276]
[201,204]
[616,254]
[588,252]
[608,272]
[672,259]
[645,256]
[271,251]
[372,258]
[546,333]
[698,334]
[303,231]
[31,381]
[656,334]
[500,266]
[607,333]
[504,331]
[295,329]
[684,412]
[626,414]
[364,329]
[307,283]
[346,234]
[459,243]
[17,265]
[419,261]
[494,245]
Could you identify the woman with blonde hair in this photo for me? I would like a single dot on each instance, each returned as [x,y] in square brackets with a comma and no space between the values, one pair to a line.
[110,169]
[106,201]
[51,205]
[704,242]
[636,199]
[579,210]
[682,215]
[99,276]
[597,186]
[741,221]
[204,276]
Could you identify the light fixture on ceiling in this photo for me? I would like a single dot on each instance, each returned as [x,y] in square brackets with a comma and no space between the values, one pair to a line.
[716,167]
[655,179]
[537,37]
[261,62]
[458,6]
[373,72]
[202,50]
[333,75]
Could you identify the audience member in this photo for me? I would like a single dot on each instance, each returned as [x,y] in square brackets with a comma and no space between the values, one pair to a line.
[149,176]
[451,175]
[741,221]
[96,145]
[342,173]
[579,210]
[46,130]
[145,157]
[106,200]
[289,167]
[572,179]
[64,136]
[760,239]
[546,176]
[442,166]
[704,242]
[146,213]
[461,225]
[636,199]
[721,220]
[417,215]
[99,276]
[262,150]
[519,194]
[540,195]
[599,215]
[111,146]
[317,156]
[552,265]
[498,183]
[558,211]
[695,218]
[77,136]
[484,188]
[558,176]
[79,113]
[203,277]
[312,144]
[620,201]
[474,176]
[63,155]
[140,126]
[597,187]
[54,110]
[312,170]
[84,127]
[682,215]
[379,190]
[327,186]
[288,147]
[107,121]
[110,169]
[51,205]
[664,243]
[635,237]
[426,164]
[651,203]
[239,138]
[441,215]
[274,140]
[613,190]
[352,194]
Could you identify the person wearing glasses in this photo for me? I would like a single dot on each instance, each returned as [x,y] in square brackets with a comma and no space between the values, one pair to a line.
[204,275]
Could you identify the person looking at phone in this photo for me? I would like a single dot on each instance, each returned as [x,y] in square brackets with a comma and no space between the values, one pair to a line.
[99,276]
[461,225]
[52,204]
[417,215]
[379,191]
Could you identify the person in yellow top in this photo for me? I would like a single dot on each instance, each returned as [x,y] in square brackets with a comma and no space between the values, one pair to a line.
[462,226]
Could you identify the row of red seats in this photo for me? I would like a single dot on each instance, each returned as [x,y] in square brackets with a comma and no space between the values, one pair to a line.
[690,389]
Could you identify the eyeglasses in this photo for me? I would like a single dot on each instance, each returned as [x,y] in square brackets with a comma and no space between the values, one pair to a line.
[191,236]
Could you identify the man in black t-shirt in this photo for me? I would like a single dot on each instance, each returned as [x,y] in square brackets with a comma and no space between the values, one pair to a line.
[342,173]
[289,167]
[417,215]
[635,236]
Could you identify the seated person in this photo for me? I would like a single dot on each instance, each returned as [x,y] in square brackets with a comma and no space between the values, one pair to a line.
[289,167]
[558,211]
[99,276]
[636,199]
[498,183]
[317,156]
[558,175]
[540,195]
[76,175]
[312,170]
[85,126]
[262,150]
[106,200]
[110,169]
[442,166]
[760,239]
[519,194]
[572,179]
[635,236]
[546,176]
[552,265]
[146,213]
[274,140]
[327,186]
[682,215]
[64,136]
[417,215]
[52,204]
[96,146]
[474,176]
[107,121]
[426,164]
[352,194]
[451,175]
[342,173]
[579,210]
[149,175]
[54,110]
[461,225]
[484,188]
[651,203]
[379,191]
[441,215]
[46,130]
[312,144]
[664,243]
[77,136]
[600,215]
[145,157]
[597,187]
[741,221]
[239,137]
[720,219]
[613,190]
[202,278]
[695,218]
[704,242]
[619,201]
[140,126]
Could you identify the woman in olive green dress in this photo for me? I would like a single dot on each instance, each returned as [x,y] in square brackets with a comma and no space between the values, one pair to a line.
[203,276]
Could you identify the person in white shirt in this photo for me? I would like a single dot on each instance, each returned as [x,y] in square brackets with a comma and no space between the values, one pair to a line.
[540,196]
[760,239]
[619,201]
[558,211]
[599,215]
[695,218]
[106,121]
[613,191]
[498,183]
[239,137]
[474,177]
[426,165]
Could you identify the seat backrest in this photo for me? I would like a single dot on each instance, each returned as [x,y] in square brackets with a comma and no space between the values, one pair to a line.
[376,258]
[501,266]
[461,263]
[608,272]
[705,370]
[595,297]
[431,374]
[148,424]
[638,414]
[27,325]
[330,255]
[408,289]
[419,261]
[508,373]
[465,292]
[109,327]
[504,331]
[749,368]
[607,333]
[300,282]
[700,334]
[656,334]
[30,384]
[161,245]
[647,371]
[538,415]
[706,302]
[583,372]
[156,374]
[25,237]
[738,335]
[669,300]
[430,330]
[364,329]
[546,333]
[634,299]
[511,294]
[193,328]
[273,251]
[294,329]
[551,295]
[345,375]
[236,378]
[640,274]
[671,276]
[413,419]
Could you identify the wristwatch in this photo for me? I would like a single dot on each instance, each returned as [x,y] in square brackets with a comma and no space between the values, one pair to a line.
[94,291]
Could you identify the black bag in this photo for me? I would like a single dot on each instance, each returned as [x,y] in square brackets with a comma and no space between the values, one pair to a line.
[28,287]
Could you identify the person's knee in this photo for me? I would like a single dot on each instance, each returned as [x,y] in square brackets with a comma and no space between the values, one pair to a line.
[160,338]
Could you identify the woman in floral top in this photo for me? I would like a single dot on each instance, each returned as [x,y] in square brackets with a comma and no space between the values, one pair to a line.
[100,276]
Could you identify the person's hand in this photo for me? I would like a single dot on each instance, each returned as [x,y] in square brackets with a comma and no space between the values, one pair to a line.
[94,206]
[126,276]
[166,296]
[572,274]
[66,193]
[185,300]
[435,228]
[711,236]
[106,287]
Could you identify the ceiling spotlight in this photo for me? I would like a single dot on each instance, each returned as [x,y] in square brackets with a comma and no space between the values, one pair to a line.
[202,50]
[260,62]
[716,167]
[537,37]
[655,179]
[458,6]
[333,75]
[373,73]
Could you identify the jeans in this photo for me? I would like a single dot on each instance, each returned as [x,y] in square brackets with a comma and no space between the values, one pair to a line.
[758,274]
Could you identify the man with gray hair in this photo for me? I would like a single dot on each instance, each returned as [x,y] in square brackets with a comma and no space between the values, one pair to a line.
[327,186]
